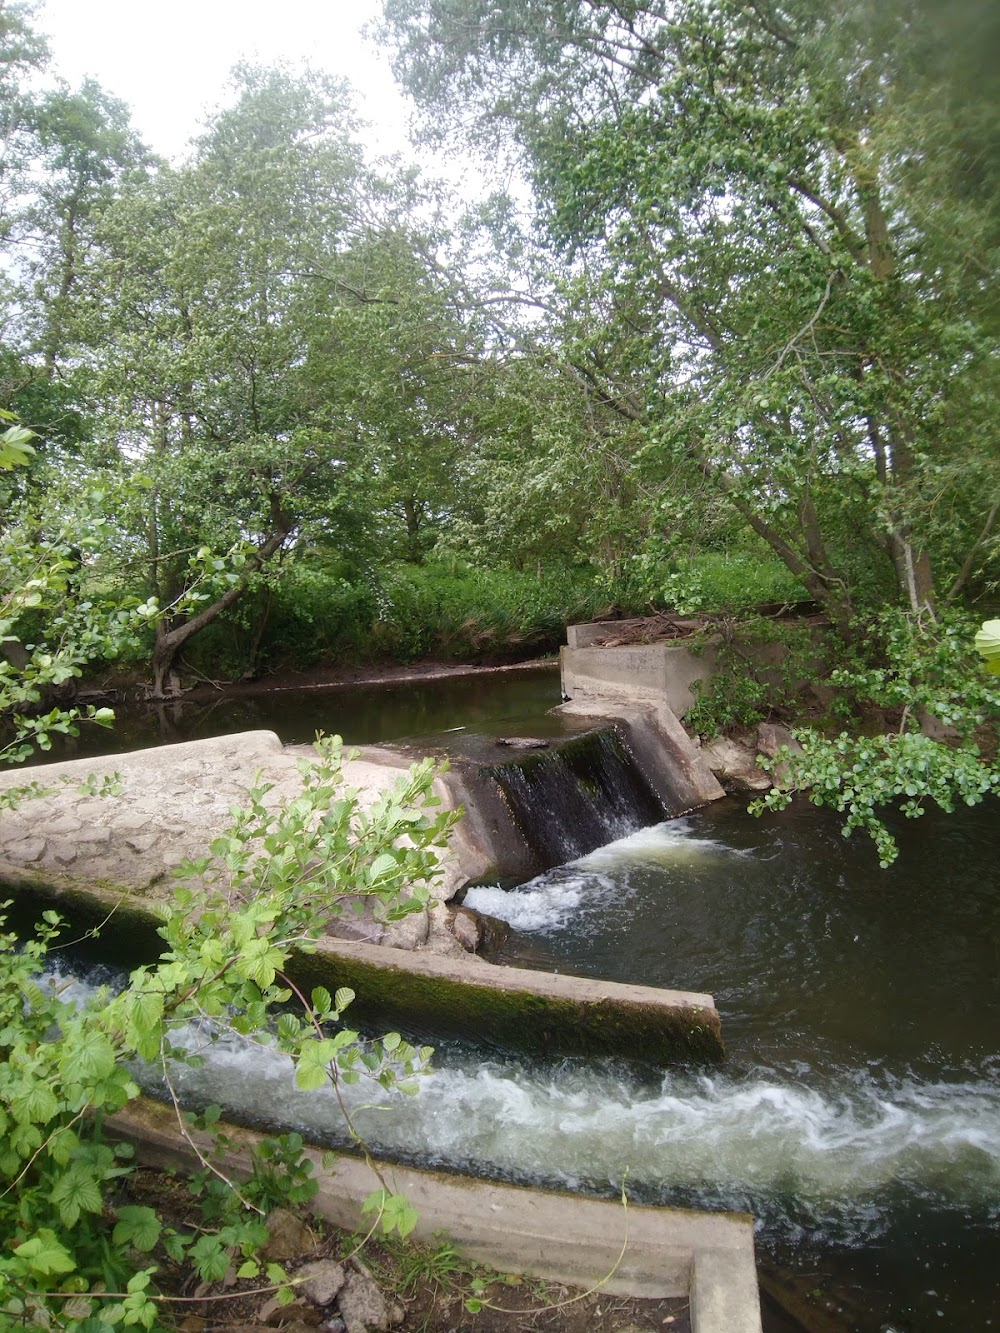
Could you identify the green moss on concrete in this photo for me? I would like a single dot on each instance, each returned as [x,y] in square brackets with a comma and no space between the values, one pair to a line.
[125,924]
[515,1018]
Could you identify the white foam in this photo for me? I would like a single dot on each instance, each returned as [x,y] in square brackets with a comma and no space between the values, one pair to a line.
[544,904]
[827,1147]
[553,900]
[672,844]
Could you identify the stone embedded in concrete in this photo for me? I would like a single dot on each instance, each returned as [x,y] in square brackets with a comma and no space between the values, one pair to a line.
[61,851]
[94,834]
[26,850]
[648,1253]
[64,824]
[142,842]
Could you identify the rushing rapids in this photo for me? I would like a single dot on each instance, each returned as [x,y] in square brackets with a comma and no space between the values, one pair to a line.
[858,1115]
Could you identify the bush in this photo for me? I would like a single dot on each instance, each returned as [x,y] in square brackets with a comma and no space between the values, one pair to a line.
[76,1257]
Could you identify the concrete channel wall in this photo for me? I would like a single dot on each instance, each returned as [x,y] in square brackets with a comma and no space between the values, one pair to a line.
[648,1252]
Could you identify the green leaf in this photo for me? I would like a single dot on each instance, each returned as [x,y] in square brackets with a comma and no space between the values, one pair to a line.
[210,1257]
[137,1226]
[383,865]
[44,1254]
[76,1191]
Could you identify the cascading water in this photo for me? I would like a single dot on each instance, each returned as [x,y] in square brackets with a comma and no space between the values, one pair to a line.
[576,796]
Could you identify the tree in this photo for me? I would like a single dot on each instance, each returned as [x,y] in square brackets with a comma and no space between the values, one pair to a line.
[731,184]
[209,327]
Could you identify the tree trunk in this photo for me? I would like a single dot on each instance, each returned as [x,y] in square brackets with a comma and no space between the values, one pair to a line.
[170,641]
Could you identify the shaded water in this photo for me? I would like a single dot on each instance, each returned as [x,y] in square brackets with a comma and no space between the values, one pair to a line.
[497,703]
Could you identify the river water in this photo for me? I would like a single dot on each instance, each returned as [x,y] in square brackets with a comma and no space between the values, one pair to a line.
[857,1114]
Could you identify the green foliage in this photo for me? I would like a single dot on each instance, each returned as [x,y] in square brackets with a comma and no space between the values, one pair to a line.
[452,610]
[269,884]
[763,666]
[943,747]
[777,264]
[49,627]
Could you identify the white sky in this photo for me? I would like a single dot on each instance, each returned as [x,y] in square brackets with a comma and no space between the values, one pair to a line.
[170,59]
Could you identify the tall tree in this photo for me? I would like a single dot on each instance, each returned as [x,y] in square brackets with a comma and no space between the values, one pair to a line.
[731,183]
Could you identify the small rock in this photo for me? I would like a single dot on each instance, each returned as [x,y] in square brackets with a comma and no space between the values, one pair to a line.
[467,928]
[141,842]
[63,851]
[320,1281]
[64,824]
[362,1305]
[26,851]
[295,1312]
[94,834]
[288,1236]
[334,1325]
[132,823]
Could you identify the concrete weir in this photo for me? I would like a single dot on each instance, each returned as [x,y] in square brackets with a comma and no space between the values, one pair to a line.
[94,859]
[648,1252]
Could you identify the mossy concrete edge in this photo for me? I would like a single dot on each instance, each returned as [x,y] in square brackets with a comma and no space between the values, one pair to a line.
[553,1013]
[536,1012]
[648,1252]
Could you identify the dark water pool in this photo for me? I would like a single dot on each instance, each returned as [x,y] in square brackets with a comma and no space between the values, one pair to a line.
[493,703]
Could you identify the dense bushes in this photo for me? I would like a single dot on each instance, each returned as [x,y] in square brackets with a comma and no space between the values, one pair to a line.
[316,613]
[313,616]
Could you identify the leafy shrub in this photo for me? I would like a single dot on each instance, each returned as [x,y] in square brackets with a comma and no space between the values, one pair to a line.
[267,885]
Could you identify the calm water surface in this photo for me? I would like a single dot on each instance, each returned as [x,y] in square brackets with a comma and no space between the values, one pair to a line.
[495,703]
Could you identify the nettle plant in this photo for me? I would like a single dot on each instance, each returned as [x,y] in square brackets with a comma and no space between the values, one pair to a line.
[78,1255]
[944,745]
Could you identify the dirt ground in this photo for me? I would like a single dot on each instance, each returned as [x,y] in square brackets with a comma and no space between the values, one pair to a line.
[428,1286]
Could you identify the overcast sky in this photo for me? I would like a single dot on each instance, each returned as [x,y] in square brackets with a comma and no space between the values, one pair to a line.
[169,59]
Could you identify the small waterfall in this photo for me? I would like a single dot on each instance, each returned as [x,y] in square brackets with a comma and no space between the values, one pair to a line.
[576,796]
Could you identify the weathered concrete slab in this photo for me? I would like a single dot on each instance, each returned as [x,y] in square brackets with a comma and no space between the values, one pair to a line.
[175,799]
[649,1252]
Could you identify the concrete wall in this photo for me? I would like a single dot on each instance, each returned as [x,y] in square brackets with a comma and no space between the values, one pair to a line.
[664,671]
[649,1252]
